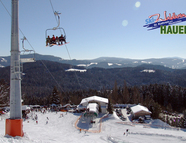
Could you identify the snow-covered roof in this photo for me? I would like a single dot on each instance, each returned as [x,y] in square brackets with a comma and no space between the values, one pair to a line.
[92,110]
[93,107]
[34,106]
[25,107]
[139,108]
[67,105]
[94,98]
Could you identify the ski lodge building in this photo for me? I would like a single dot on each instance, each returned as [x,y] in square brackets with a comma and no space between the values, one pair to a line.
[93,105]
[139,110]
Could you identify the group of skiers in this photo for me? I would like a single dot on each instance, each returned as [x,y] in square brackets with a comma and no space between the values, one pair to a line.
[55,40]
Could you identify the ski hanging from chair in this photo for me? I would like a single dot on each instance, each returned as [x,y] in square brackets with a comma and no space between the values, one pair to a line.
[58,40]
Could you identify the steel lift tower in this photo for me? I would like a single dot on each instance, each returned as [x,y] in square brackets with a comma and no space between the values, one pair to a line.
[14,125]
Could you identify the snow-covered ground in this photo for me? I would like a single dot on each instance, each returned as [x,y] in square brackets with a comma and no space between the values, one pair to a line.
[80,70]
[63,130]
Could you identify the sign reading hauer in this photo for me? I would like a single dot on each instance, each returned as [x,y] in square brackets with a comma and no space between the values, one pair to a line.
[165,24]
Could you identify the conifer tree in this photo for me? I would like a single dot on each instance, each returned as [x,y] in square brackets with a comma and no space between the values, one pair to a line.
[135,95]
[125,93]
[156,110]
[115,93]
[110,108]
[4,93]
[55,98]
[184,114]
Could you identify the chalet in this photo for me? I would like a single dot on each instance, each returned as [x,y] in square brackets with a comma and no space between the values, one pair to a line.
[102,104]
[138,111]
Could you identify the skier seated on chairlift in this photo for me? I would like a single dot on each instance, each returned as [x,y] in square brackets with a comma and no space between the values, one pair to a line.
[61,39]
[48,40]
[57,40]
[53,40]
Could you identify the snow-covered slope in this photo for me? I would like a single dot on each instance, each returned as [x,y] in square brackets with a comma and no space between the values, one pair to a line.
[62,130]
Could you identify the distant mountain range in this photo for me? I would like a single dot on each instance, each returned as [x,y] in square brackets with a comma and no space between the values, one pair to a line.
[105,62]
[38,78]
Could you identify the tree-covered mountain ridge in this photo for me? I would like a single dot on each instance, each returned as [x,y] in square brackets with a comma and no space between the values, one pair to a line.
[40,77]
[105,62]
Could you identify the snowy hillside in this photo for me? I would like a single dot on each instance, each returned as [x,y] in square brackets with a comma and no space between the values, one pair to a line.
[61,129]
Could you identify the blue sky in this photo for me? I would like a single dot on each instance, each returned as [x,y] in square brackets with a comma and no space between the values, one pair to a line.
[95,28]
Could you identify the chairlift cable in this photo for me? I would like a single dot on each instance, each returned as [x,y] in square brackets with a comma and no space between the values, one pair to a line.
[6,8]
[19,28]
[75,72]
[54,12]
[27,40]
[52,6]
[52,75]
[65,44]
[52,9]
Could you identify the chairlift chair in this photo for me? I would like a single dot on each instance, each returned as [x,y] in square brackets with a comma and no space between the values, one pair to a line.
[49,41]
[26,60]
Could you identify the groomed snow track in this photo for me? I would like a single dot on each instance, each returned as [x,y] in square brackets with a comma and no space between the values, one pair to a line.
[89,130]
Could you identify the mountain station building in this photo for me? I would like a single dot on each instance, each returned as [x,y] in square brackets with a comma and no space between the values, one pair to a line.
[93,105]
